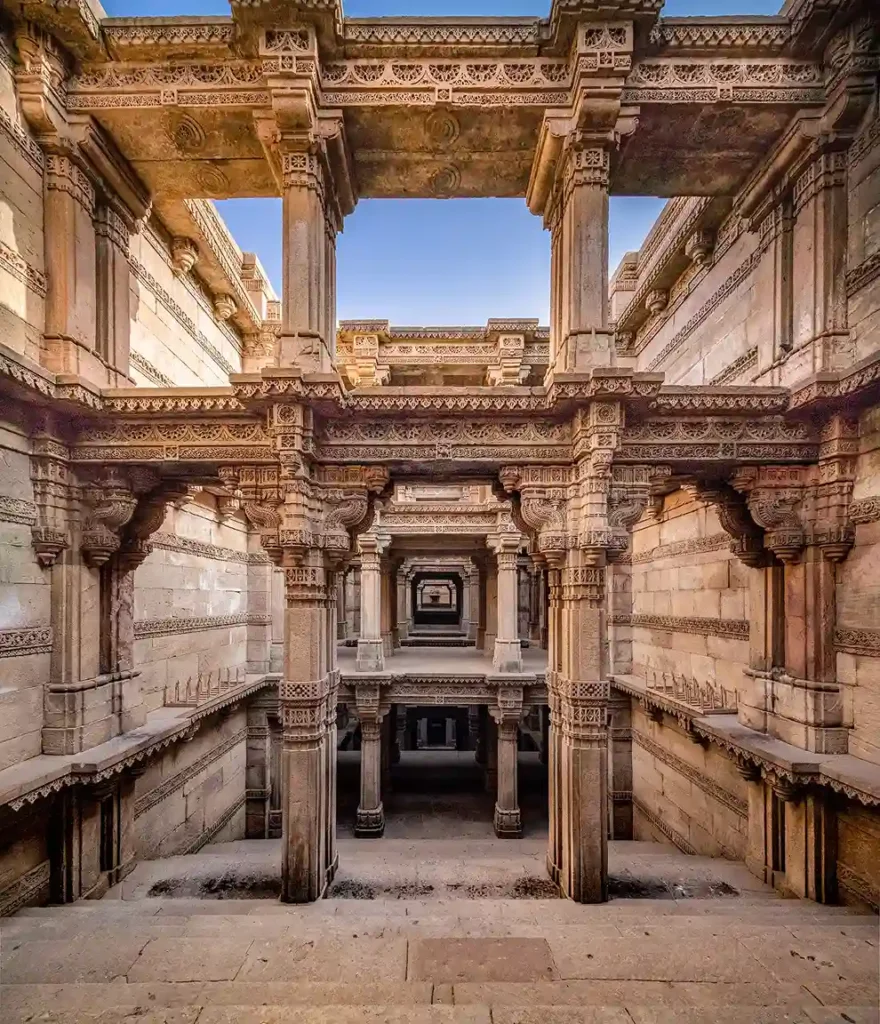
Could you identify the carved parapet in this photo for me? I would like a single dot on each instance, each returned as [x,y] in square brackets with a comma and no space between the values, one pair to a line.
[508,369]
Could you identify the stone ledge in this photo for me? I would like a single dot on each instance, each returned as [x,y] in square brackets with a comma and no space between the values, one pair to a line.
[851,776]
[40,776]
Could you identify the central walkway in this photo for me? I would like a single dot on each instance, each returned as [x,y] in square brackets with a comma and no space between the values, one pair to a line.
[441,660]
[413,934]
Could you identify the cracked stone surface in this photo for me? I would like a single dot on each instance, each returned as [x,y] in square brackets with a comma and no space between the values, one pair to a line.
[446,955]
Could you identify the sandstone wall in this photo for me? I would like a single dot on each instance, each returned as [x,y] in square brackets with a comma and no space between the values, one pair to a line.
[714,317]
[769,307]
[197,596]
[195,792]
[25,614]
[24,857]
[22,266]
[686,794]
[689,597]
[863,255]
[175,337]
[858,600]
[858,868]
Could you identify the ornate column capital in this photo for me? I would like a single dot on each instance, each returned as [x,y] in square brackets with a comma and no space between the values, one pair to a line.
[774,495]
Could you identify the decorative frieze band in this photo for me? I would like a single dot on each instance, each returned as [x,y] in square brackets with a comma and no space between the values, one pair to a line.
[733,629]
[727,289]
[866,272]
[691,546]
[747,361]
[698,778]
[16,265]
[864,642]
[210,833]
[30,889]
[148,370]
[865,510]
[862,888]
[16,643]
[662,826]
[157,795]
[17,510]
[175,626]
[22,142]
[189,546]
[143,275]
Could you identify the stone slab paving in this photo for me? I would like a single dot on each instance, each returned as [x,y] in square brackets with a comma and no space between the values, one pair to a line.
[750,959]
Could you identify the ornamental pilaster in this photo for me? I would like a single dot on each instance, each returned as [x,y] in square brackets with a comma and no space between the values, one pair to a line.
[56,495]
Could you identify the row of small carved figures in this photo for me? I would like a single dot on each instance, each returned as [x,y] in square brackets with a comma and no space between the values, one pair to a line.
[705,696]
[206,685]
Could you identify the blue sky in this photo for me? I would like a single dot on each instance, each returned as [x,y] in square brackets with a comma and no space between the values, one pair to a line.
[438,261]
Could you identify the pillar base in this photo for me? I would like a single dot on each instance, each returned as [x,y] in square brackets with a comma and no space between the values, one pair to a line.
[508,824]
[370,656]
[370,824]
[507,656]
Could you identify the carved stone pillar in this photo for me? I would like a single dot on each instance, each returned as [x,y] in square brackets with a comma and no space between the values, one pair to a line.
[69,206]
[465,610]
[113,229]
[258,766]
[491,589]
[577,215]
[308,693]
[620,765]
[370,650]
[508,823]
[370,813]
[507,656]
[341,612]
[472,583]
[481,737]
[403,613]
[353,601]
[310,222]
[482,602]
[388,614]
[582,693]
[491,778]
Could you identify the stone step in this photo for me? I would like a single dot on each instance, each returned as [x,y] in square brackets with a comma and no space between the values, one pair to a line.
[398,1012]
[560,911]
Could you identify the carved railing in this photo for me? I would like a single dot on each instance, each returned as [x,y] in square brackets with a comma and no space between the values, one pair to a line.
[205,687]
[707,698]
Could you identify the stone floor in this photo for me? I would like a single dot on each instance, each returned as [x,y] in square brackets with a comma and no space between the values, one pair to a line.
[432,953]
[441,660]
[436,794]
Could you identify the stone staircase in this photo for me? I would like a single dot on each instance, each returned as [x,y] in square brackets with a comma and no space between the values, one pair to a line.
[749,959]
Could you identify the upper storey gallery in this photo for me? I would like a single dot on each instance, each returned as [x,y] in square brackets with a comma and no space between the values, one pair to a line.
[420,107]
